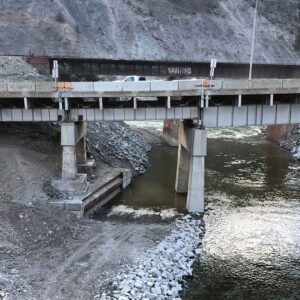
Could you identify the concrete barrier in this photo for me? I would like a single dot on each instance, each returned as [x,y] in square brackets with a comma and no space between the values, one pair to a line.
[164,85]
[3,87]
[235,84]
[108,86]
[21,87]
[291,83]
[45,87]
[189,85]
[142,86]
[83,86]
[265,83]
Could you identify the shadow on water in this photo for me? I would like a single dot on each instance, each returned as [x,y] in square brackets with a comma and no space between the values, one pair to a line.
[155,189]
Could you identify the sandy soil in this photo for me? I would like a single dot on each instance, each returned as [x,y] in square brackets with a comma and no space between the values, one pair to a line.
[46,253]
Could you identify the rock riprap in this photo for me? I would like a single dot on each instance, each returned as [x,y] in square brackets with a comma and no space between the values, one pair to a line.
[292,143]
[118,145]
[160,272]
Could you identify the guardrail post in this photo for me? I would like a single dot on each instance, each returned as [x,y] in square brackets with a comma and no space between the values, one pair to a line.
[240,101]
[272,100]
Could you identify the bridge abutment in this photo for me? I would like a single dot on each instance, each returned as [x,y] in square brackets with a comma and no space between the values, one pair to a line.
[191,165]
[72,138]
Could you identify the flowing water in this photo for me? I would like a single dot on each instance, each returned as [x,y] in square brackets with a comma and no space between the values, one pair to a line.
[251,249]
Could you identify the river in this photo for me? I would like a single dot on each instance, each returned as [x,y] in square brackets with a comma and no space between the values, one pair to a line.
[251,249]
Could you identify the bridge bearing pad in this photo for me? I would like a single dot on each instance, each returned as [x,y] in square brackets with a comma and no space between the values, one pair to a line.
[76,186]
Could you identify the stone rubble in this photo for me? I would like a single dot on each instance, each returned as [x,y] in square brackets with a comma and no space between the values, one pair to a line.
[118,145]
[160,272]
[292,143]
[17,69]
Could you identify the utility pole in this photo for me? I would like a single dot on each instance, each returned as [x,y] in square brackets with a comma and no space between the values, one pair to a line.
[253,41]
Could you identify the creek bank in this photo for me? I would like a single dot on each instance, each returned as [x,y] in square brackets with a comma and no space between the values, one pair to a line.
[160,272]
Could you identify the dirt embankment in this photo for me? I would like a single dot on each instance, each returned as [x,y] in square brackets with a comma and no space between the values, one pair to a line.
[46,253]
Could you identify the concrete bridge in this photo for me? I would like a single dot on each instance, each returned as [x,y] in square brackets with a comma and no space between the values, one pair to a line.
[198,103]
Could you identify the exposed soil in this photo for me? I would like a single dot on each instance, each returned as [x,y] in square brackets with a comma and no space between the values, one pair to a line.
[47,253]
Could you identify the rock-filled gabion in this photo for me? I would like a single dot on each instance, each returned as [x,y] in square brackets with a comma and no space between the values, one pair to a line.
[120,146]
[160,272]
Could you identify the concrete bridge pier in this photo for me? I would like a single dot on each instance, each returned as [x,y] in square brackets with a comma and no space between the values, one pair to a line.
[72,137]
[191,165]
[170,132]
[81,147]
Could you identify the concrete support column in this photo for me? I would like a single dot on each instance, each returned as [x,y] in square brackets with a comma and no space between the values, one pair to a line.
[71,181]
[82,159]
[170,132]
[69,162]
[183,169]
[81,152]
[68,143]
[191,165]
[195,196]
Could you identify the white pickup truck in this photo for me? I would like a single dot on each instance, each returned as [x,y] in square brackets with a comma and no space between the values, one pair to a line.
[134,78]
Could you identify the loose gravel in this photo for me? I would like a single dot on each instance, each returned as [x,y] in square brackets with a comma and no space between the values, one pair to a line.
[160,273]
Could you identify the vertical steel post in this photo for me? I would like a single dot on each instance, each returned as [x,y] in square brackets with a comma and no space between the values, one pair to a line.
[253,41]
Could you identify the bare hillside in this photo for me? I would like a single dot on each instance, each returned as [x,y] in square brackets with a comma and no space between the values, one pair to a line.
[190,30]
